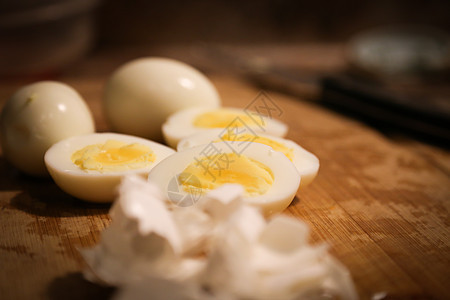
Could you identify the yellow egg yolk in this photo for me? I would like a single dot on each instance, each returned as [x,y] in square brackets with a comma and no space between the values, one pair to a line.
[222,118]
[113,156]
[210,172]
[245,137]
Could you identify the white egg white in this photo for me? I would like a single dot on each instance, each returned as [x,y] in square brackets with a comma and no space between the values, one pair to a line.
[141,94]
[277,198]
[180,124]
[37,116]
[307,163]
[93,185]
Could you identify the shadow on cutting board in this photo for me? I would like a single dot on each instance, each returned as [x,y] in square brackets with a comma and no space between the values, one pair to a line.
[73,286]
[52,202]
[42,197]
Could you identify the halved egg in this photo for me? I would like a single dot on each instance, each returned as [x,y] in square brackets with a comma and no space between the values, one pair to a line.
[307,164]
[269,178]
[90,167]
[193,120]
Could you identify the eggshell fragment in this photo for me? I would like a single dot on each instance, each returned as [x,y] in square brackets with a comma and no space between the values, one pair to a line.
[242,256]
[143,240]
[244,268]
[220,204]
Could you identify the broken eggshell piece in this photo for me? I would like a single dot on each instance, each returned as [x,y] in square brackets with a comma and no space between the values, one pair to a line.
[144,239]
[238,254]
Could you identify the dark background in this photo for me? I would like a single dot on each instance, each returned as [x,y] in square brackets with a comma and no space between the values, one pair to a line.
[47,36]
[174,21]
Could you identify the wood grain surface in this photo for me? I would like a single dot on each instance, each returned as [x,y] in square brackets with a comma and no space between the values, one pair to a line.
[382,204]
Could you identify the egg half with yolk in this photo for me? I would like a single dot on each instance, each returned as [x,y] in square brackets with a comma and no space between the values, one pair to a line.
[90,167]
[193,120]
[307,164]
[269,178]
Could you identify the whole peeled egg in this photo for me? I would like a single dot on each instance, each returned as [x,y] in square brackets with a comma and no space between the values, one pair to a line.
[141,94]
[36,117]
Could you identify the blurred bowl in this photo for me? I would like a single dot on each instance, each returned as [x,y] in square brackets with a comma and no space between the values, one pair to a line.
[45,36]
[400,52]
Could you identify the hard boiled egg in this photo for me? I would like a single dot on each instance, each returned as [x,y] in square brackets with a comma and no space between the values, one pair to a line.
[268,177]
[307,164]
[193,120]
[90,167]
[37,116]
[141,94]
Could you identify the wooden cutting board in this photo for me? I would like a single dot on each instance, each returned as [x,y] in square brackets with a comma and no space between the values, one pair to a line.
[381,205]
